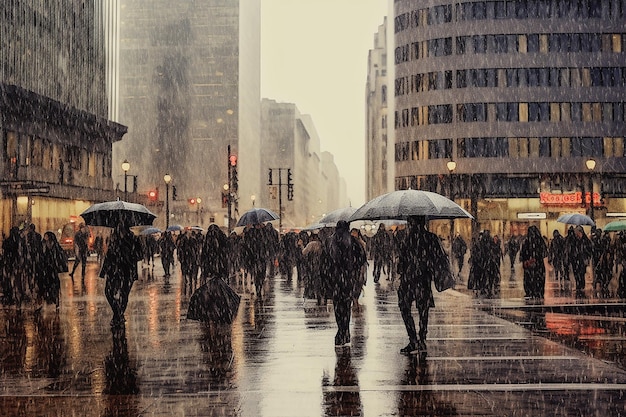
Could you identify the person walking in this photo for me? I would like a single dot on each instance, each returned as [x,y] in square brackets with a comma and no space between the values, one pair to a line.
[579,254]
[342,264]
[167,247]
[512,247]
[556,258]
[416,267]
[381,251]
[13,284]
[214,258]
[54,262]
[81,249]
[120,270]
[459,248]
[533,255]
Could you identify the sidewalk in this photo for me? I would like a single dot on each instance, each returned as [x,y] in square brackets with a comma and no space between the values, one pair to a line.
[279,359]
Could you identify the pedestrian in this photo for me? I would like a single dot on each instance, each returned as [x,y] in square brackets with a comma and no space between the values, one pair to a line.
[341,266]
[81,250]
[512,247]
[556,258]
[459,248]
[215,255]
[54,262]
[533,256]
[13,288]
[603,265]
[579,254]
[381,251]
[120,269]
[362,274]
[167,247]
[255,255]
[416,267]
[99,248]
[32,257]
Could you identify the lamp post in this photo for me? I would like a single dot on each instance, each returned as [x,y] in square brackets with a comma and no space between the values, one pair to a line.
[451,165]
[125,168]
[227,192]
[167,178]
[198,201]
[591,165]
[253,198]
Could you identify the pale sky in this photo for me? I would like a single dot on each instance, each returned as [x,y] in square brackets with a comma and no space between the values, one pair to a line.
[314,54]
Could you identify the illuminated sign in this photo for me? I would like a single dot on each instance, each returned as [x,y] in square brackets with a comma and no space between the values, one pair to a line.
[576,198]
[531,215]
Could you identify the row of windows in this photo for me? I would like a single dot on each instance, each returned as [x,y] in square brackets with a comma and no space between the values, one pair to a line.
[503,147]
[512,9]
[511,112]
[512,43]
[512,77]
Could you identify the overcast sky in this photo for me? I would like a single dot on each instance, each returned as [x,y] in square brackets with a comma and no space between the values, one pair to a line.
[314,54]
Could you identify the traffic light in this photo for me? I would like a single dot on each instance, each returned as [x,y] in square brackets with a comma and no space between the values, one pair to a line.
[233,160]
[174,193]
[153,195]
[289,178]
[269,178]
[191,201]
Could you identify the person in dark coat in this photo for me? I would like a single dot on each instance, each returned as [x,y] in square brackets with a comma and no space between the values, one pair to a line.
[215,254]
[167,247]
[32,256]
[120,269]
[512,247]
[255,255]
[533,255]
[81,249]
[381,251]
[556,257]
[54,262]
[459,248]
[13,288]
[342,263]
[415,267]
[579,254]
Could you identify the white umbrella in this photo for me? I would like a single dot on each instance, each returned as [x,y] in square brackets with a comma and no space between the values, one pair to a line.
[404,203]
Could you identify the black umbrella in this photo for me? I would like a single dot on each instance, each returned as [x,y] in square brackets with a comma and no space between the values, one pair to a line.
[256,216]
[112,213]
[214,302]
[404,203]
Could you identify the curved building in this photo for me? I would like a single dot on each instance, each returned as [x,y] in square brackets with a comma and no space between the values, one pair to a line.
[524,96]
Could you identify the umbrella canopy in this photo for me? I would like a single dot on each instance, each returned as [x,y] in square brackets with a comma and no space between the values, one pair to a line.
[150,231]
[576,219]
[334,216]
[214,302]
[404,203]
[615,226]
[175,228]
[256,216]
[112,213]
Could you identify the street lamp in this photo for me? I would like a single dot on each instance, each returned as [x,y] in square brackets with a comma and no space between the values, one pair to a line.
[591,165]
[253,198]
[167,178]
[125,168]
[198,201]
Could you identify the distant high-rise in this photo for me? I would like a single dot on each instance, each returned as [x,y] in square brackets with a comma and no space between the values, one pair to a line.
[520,95]
[189,88]
[379,151]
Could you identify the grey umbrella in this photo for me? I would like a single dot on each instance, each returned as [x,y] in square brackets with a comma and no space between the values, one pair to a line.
[576,219]
[256,216]
[404,203]
[112,213]
[334,216]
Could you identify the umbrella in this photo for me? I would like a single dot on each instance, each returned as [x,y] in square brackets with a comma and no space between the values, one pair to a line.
[615,226]
[256,216]
[576,219]
[334,216]
[404,203]
[197,228]
[214,302]
[150,231]
[175,228]
[111,213]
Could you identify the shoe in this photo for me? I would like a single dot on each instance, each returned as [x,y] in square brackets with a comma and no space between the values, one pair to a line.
[408,349]
[421,346]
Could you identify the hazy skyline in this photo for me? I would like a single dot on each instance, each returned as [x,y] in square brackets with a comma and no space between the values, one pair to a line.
[314,54]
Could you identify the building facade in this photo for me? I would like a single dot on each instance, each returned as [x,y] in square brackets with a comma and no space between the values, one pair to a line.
[189,89]
[56,149]
[520,95]
[379,150]
[291,147]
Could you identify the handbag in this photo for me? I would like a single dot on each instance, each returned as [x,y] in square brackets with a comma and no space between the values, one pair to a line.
[442,275]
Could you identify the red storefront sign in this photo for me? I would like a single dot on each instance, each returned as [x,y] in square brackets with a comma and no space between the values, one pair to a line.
[576,198]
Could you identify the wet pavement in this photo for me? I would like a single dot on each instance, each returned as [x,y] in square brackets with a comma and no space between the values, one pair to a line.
[501,356]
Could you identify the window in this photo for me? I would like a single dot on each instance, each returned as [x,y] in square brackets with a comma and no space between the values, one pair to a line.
[533,43]
[544,147]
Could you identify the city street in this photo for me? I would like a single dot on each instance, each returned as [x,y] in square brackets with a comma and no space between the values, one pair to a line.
[486,357]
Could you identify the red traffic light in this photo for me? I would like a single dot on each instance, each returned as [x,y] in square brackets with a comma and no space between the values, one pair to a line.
[233,160]
[153,195]
[192,201]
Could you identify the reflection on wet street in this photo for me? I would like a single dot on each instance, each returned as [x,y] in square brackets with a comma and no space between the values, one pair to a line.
[500,356]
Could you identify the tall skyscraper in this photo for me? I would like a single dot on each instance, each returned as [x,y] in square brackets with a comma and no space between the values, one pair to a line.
[189,88]
[520,95]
